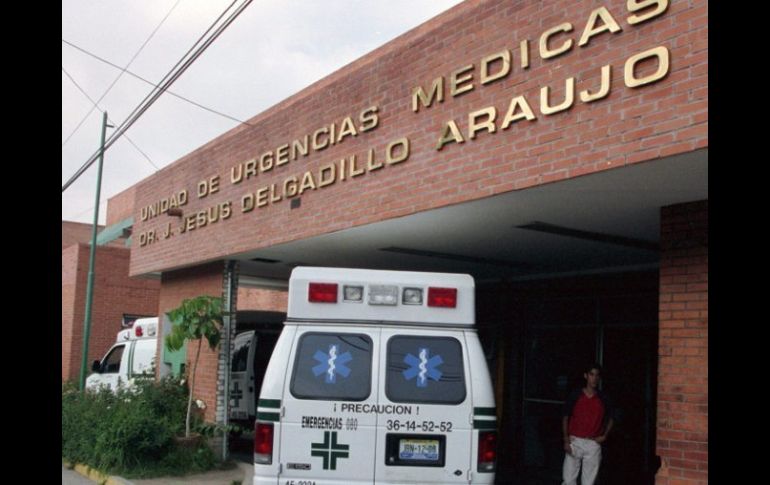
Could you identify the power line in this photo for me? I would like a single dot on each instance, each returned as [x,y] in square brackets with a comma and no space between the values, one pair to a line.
[88,210]
[97,107]
[194,103]
[121,74]
[180,67]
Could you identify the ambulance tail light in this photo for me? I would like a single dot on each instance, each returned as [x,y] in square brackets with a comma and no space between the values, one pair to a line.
[487,451]
[263,443]
[442,297]
[138,331]
[322,293]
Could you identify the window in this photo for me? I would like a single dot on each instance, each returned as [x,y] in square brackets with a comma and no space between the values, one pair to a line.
[128,320]
[332,366]
[144,358]
[241,352]
[425,370]
[112,361]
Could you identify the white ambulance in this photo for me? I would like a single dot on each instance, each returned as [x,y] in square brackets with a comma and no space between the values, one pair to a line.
[377,377]
[132,356]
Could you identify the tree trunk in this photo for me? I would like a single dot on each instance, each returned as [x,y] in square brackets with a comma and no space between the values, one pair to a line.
[192,388]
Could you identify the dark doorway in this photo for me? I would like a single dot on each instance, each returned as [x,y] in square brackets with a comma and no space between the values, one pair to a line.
[554,329]
[630,369]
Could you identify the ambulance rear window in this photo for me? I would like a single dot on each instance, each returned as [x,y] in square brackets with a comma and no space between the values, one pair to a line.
[425,370]
[240,354]
[332,366]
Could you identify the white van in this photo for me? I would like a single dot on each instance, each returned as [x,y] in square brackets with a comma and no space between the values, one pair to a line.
[251,352]
[132,356]
[377,377]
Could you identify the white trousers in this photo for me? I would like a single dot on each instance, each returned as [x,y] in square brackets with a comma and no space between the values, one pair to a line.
[587,452]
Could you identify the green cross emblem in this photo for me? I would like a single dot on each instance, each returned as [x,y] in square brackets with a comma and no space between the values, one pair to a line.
[236,394]
[330,450]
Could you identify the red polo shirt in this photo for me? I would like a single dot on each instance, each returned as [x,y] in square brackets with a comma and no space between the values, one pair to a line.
[587,417]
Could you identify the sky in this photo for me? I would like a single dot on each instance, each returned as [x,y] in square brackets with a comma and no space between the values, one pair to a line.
[274,49]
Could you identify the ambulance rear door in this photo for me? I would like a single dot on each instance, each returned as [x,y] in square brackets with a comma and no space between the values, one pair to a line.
[330,406]
[242,377]
[425,433]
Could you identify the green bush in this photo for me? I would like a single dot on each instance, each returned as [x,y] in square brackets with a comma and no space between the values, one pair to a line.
[131,432]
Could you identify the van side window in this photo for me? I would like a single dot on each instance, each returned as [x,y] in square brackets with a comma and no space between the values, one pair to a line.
[425,370]
[144,358]
[112,361]
[332,366]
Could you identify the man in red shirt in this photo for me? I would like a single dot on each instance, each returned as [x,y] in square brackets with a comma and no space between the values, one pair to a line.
[586,422]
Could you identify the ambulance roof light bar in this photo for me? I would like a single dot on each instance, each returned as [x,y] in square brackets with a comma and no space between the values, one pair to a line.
[330,294]
[378,295]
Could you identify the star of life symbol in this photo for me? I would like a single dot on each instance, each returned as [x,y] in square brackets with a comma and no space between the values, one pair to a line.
[332,364]
[423,368]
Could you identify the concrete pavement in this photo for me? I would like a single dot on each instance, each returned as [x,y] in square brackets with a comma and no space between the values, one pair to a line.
[241,473]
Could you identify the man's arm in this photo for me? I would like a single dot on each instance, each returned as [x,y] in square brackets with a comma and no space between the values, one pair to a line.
[611,412]
[603,437]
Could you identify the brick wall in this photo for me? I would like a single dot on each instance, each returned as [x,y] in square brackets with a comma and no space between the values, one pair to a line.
[265,300]
[114,294]
[630,125]
[177,286]
[121,206]
[682,433]
[73,284]
[76,232]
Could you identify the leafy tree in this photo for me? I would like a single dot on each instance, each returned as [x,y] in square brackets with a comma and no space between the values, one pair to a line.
[195,319]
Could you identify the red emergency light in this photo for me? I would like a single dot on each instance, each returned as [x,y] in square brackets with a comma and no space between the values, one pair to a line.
[442,297]
[322,293]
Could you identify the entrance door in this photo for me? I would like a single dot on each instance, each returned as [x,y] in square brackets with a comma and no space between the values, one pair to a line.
[553,358]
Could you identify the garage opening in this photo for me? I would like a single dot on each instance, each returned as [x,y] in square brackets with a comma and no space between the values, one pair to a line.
[539,335]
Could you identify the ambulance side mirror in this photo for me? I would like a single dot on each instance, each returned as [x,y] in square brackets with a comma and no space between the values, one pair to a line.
[96,366]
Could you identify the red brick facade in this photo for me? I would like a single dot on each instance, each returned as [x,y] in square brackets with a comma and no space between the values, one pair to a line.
[114,294]
[121,206]
[682,431]
[263,300]
[629,125]
[78,232]
[177,286]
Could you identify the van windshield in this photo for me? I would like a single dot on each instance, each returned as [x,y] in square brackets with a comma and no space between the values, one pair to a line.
[112,361]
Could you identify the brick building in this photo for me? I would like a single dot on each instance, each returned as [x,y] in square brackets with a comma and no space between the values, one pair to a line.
[116,298]
[557,151]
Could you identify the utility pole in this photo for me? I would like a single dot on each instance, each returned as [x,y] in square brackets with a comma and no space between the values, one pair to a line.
[91,258]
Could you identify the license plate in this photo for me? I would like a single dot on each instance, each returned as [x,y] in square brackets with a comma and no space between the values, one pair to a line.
[419,450]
